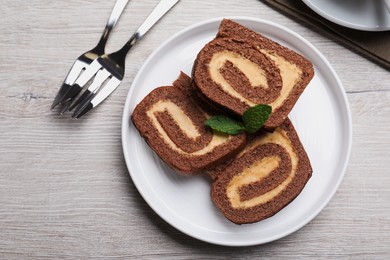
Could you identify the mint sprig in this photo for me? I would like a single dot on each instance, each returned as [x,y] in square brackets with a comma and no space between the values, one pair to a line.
[252,120]
[225,125]
[255,117]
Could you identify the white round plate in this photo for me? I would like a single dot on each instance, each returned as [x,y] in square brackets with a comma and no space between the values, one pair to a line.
[321,117]
[365,15]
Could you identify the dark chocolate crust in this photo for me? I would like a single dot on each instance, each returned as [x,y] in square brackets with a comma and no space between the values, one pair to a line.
[225,172]
[184,96]
[237,38]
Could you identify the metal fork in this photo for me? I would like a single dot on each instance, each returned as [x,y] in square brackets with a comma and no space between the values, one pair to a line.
[109,69]
[67,91]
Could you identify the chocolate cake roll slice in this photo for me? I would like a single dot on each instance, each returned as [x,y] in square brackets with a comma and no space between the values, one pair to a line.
[262,179]
[171,120]
[241,68]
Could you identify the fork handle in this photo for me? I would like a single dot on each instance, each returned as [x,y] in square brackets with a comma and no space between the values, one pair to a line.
[161,8]
[114,17]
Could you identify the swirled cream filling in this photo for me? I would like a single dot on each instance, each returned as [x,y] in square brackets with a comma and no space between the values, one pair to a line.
[289,72]
[251,70]
[186,126]
[261,169]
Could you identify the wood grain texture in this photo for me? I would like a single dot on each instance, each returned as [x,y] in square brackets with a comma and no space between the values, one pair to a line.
[65,191]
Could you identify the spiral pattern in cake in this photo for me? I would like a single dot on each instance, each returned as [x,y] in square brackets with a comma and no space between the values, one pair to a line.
[261,180]
[171,120]
[241,68]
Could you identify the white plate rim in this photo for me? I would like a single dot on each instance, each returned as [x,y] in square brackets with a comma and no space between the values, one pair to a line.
[154,205]
[343,22]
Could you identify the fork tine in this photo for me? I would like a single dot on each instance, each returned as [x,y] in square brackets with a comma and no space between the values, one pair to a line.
[60,94]
[66,89]
[70,101]
[98,80]
[88,74]
[84,106]
[83,79]
[96,98]
[66,107]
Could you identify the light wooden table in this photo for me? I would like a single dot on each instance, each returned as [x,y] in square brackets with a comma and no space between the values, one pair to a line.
[64,187]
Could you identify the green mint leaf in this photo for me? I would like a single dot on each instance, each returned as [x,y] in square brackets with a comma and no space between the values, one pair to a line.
[225,124]
[255,117]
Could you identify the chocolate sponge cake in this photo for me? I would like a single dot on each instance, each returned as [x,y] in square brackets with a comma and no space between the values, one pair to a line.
[261,180]
[241,68]
[171,120]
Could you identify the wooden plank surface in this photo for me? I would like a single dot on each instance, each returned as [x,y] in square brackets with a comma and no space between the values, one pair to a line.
[64,187]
